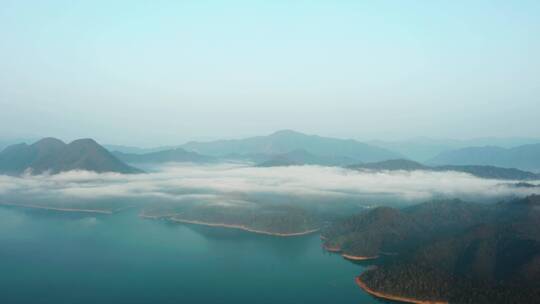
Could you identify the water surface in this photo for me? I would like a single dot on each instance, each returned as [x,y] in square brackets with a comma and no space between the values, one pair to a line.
[51,257]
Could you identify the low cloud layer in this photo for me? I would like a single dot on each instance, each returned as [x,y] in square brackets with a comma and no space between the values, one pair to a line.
[235,184]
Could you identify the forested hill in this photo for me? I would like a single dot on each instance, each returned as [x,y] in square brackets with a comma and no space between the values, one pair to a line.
[450,251]
[54,156]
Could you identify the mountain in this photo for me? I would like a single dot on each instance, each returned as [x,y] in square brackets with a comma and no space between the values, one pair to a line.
[424,149]
[494,261]
[418,149]
[386,230]
[54,156]
[525,157]
[173,155]
[523,185]
[287,141]
[302,157]
[446,251]
[391,165]
[135,150]
[491,172]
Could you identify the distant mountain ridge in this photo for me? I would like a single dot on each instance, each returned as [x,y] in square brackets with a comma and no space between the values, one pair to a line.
[136,150]
[525,157]
[298,158]
[303,157]
[424,149]
[391,165]
[287,141]
[53,155]
[476,170]
[173,155]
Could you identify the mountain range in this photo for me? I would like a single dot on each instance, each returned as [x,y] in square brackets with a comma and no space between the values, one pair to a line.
[525,157]
[476,170]
[287,147]
[282,148]
[51,155]
[136,150]
[303,157]
[423,149]
[287,141]
[165,156]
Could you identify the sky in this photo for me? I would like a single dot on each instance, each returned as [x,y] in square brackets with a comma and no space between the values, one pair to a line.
[154,73]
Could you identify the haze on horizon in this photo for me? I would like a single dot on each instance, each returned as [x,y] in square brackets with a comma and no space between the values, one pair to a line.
[149,74]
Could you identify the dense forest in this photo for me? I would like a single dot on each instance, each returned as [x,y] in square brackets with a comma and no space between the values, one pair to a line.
[451,251]
[389,230]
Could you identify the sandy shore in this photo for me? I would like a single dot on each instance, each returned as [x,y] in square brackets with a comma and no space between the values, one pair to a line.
[241,227]
[59,209]
[332,249]
[349,256]
[385,296]
[359,258]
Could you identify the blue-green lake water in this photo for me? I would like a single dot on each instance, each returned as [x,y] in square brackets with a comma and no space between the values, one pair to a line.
[49,257]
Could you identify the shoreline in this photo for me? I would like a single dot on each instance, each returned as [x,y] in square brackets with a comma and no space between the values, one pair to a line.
[349,257]
[331,249]
[241,227]
[155,217]
[58,209]
[358,257]
[385,296]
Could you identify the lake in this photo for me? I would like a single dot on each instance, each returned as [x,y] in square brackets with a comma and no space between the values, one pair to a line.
[53,257]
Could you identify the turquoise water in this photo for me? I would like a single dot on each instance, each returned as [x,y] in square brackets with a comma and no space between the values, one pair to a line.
[49,257]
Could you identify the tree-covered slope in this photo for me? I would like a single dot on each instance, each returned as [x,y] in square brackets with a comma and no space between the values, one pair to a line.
[54,156]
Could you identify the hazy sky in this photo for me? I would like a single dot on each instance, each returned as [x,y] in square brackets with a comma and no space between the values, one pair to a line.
[163,72]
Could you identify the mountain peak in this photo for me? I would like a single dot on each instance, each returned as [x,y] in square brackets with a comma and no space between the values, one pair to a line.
[84,142]
[287,132]
[49,141]
[48,146]
[54,156]
[286,141]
